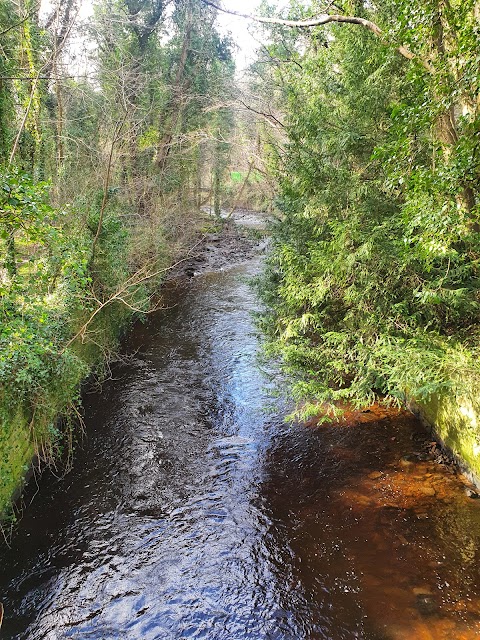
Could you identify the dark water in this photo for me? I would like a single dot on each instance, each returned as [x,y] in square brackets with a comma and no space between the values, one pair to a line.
[192,511]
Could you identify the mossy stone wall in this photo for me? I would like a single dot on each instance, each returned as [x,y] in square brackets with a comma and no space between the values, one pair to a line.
[17,450]
[456,421]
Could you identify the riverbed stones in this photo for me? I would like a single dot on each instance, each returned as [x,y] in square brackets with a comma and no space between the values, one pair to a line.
[363,501]
[470,493]
[422,515]
[215,251]
[423,590]
[427,491]
[426,604]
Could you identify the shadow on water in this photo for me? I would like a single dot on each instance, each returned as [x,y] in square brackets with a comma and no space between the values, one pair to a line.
[365,518]
[191,512]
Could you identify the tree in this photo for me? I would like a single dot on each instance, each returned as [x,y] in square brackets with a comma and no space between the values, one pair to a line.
[373,283]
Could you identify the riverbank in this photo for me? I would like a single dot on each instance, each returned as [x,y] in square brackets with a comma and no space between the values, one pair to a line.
[42,429]
[41,426]
[193,510]
[453,422]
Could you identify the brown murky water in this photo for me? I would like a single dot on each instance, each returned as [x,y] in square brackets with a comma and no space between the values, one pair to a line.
[193,511]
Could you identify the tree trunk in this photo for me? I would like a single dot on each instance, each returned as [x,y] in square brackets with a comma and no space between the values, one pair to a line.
[174,106]
[11,257]
[217,205]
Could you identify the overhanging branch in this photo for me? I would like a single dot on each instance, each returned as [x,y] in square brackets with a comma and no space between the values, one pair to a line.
[322,19]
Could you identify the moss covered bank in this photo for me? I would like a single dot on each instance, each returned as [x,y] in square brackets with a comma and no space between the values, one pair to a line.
[41,426]
[455,420]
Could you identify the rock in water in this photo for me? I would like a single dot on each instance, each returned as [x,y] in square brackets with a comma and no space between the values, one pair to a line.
[426,604]
[472,494]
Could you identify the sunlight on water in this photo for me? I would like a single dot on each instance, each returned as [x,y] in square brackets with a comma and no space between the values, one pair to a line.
[193,512]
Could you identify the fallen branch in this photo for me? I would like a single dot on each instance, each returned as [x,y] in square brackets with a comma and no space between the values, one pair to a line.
[135,280]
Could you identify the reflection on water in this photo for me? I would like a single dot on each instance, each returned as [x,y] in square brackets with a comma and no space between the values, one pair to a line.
[192,512]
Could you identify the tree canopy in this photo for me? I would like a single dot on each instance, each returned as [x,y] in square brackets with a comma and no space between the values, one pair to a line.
[373,283]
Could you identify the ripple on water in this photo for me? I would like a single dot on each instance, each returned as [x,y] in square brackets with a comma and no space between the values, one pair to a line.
[193,512]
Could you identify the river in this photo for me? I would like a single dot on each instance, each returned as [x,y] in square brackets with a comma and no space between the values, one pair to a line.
[193,511]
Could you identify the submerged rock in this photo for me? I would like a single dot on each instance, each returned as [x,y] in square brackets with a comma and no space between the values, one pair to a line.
[427,491]
[422,591]
[470,493]
[426,604]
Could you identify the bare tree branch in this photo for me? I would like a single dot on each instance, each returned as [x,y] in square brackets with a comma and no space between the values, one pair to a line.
[24,19]
[134,281]
[268,116]
[115,139]
[326,18]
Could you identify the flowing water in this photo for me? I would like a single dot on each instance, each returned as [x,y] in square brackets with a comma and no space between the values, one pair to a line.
[194,511]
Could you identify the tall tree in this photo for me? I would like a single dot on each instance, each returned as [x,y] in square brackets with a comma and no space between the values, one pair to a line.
[374,280]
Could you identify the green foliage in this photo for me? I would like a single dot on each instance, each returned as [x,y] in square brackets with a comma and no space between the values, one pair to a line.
[373,285]
[100,184]
[37,297]
[236,176]
[43,303]
[7,65]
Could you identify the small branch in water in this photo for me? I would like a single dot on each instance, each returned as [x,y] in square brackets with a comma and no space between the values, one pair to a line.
[139,277]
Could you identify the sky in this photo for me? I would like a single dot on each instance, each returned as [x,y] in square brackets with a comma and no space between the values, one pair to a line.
[240,28]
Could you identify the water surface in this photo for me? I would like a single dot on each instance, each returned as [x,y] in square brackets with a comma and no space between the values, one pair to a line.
[193,511]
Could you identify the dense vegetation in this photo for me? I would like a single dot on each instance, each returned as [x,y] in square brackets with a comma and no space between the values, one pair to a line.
[105,159]
[368,120]
[373,285]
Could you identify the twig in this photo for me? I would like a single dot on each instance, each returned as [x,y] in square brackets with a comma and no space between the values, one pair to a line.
[134,281]
[268,116]
[116,138]
[49,77]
